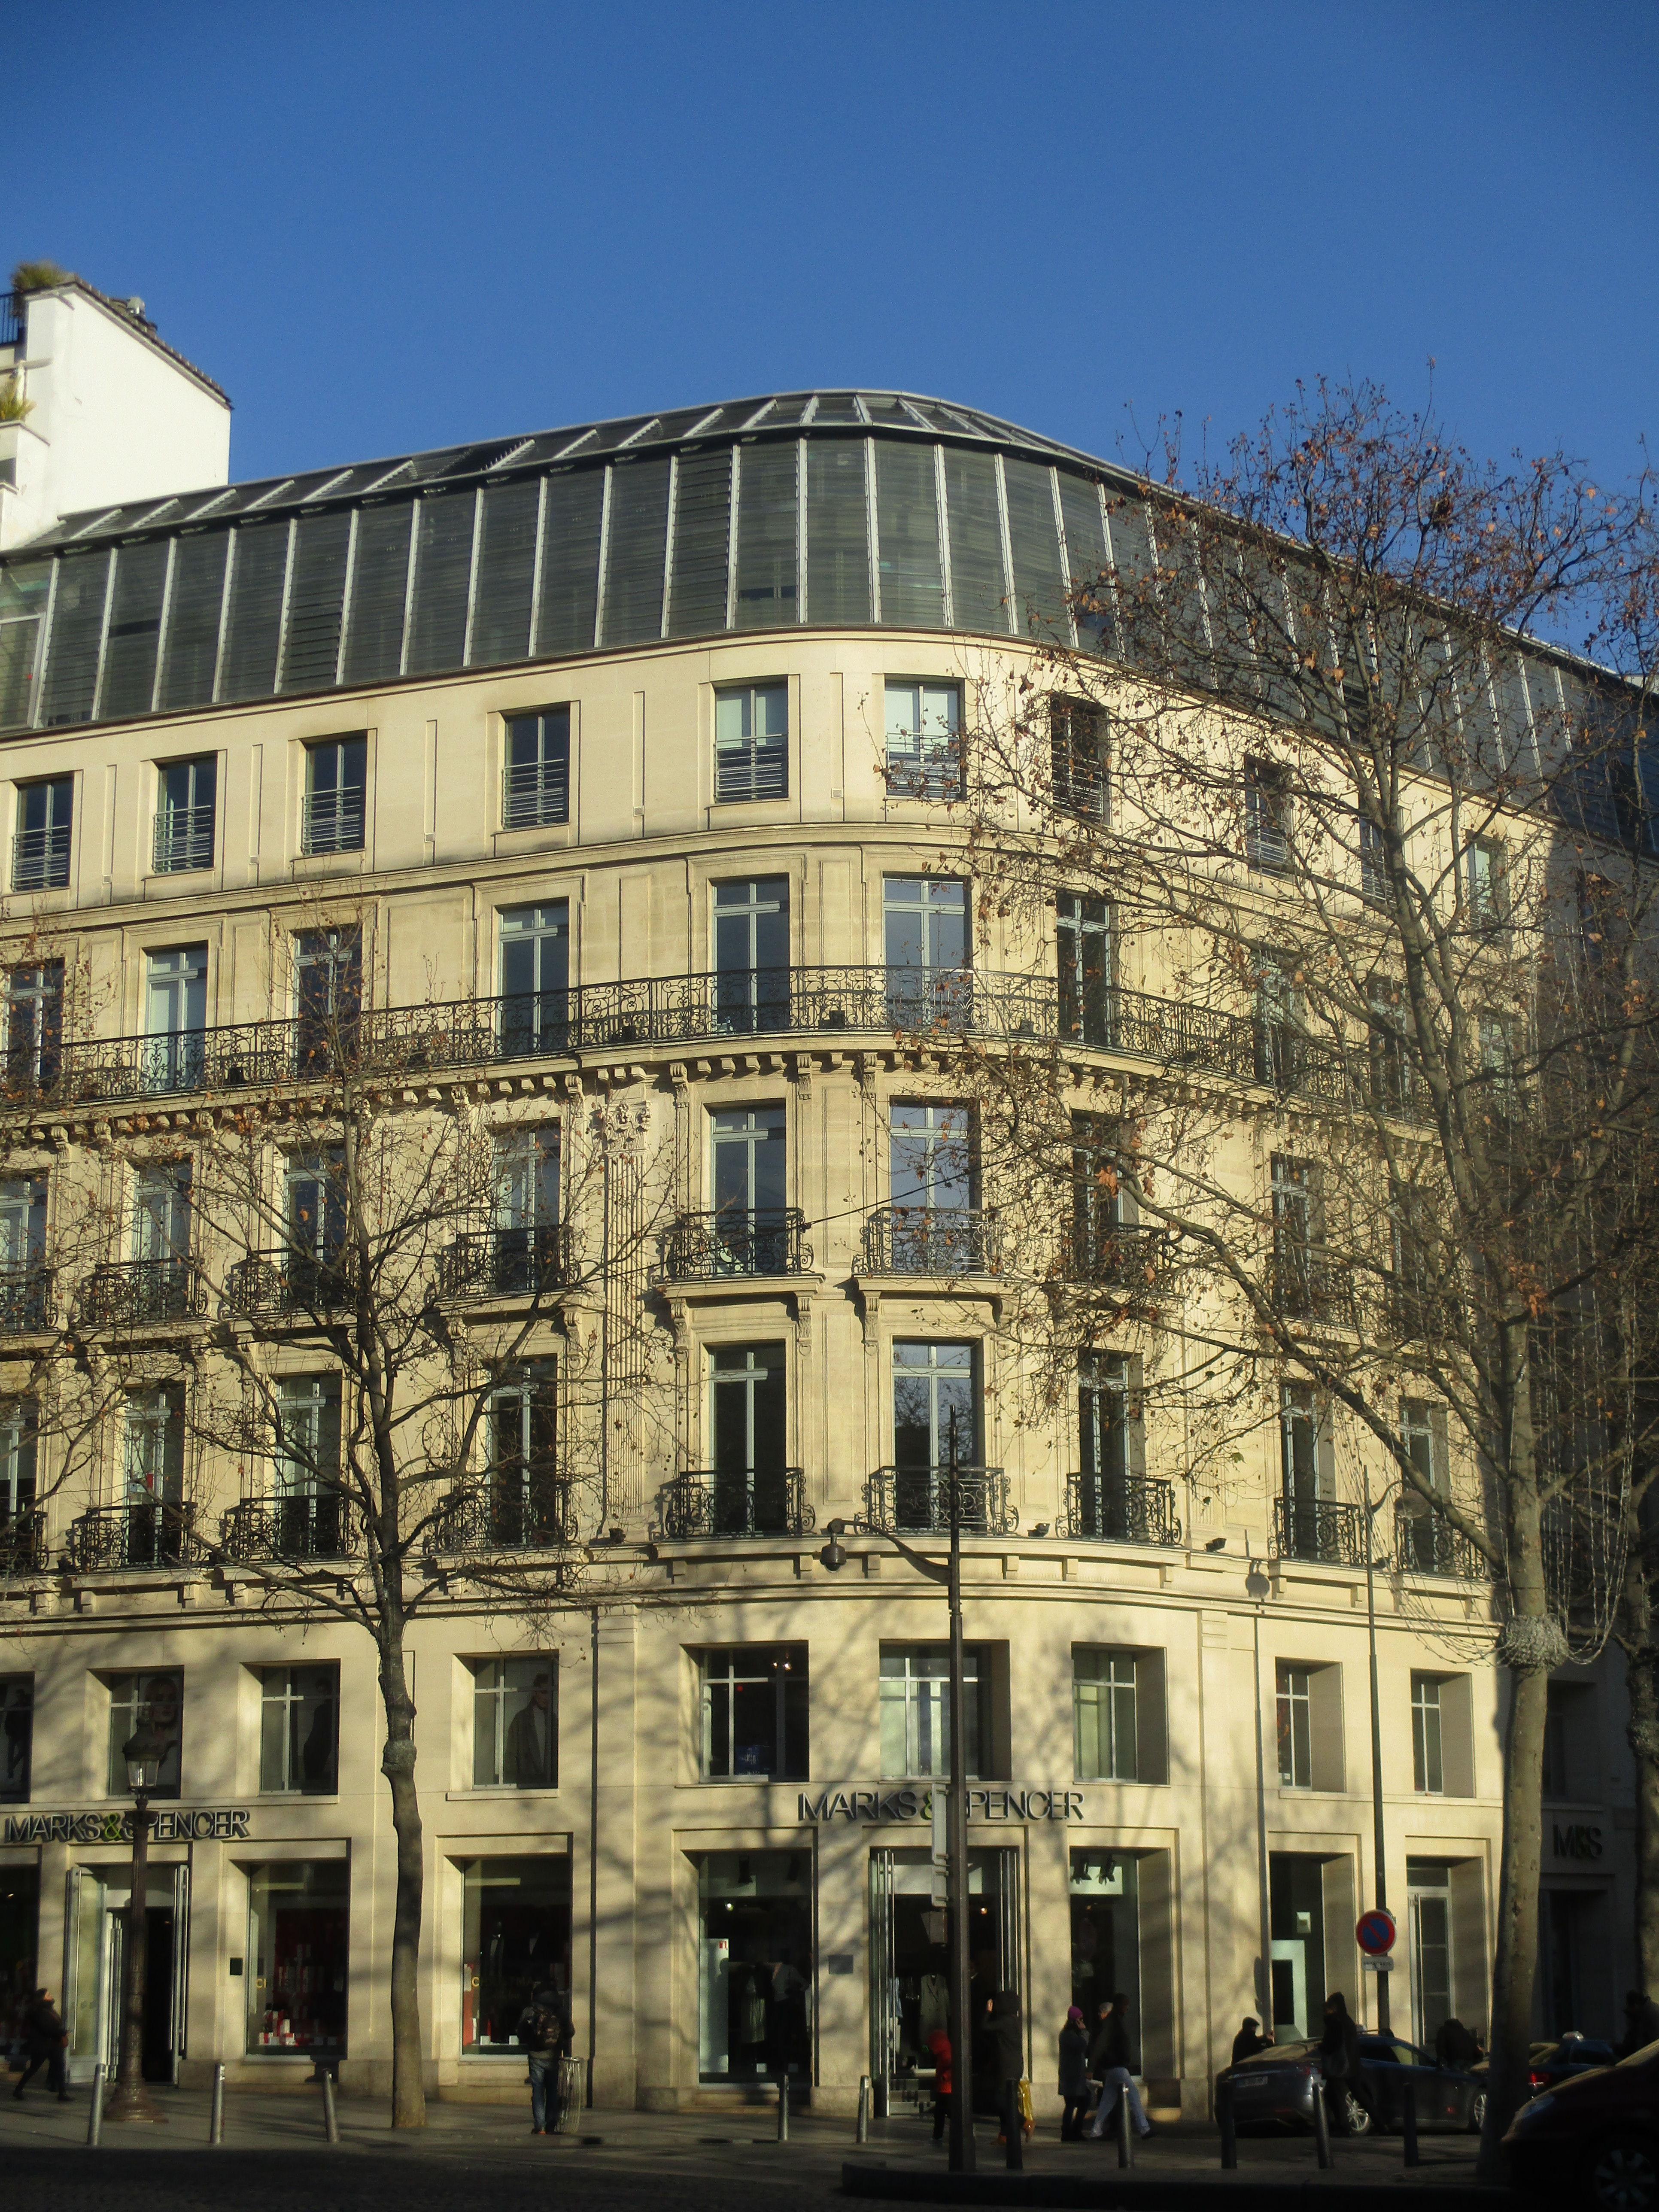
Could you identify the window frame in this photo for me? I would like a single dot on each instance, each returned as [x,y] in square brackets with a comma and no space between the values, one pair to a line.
[330,823]
[1428,1736]
[1118,1765]
[791,1737]
[926,764]
[293,1704]
[495,1694]
[751,765]
[44,866]
[540,800]
[1087,798]
[174,853]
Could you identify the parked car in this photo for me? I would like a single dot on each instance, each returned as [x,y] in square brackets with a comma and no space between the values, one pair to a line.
[1276,2089]
[1594,2138]
[1549,2063]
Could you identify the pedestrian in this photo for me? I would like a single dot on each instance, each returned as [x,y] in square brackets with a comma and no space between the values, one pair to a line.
[1455,2049]
[1339,2059]
[1111,2063]
[1073,2075]
[1249,2040]
[541,2031]
[1641,2023]
[938,2045]
[44,2044]
[1002,2017]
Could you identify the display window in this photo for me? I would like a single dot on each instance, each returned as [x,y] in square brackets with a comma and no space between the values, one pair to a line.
[909,1961]
[755,1978]
[1105,1896]
[516,1939]
[146,1710]
[299,1731]
[515,1723]
[299,1929]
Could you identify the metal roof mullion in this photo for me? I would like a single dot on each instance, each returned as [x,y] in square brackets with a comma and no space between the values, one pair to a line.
[731,540]
[234,536]
[870,519]
[536,572]
[670,535]
[287,598]
[44,645]
[103,631]
[346,590]
[604,554]
[1007,543]
[800,530]
[409,583]
[942,510]
[161,624]
[472,577]
[1065,556]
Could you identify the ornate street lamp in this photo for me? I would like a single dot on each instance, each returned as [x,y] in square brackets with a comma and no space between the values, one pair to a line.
[130,2100]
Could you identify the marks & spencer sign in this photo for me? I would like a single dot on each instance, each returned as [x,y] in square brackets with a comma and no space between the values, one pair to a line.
[221,1825]
[880,1805]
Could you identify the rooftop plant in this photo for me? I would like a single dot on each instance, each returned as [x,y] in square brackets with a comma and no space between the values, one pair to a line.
[38,276]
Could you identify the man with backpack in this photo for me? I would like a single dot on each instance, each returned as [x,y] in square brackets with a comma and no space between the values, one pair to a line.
[542,2031]
[44,2042]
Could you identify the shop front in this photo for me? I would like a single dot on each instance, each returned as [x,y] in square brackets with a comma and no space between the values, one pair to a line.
[754,1966]
[516,1939]
[298,1958]
[909,1961]
[96,1934]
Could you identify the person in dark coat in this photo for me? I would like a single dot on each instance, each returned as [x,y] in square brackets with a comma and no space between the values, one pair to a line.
[1249,2040]
[1455,2048]
[43,2043]
[1073,2075]
[1339,2058]
[938,2046]
[1002,2017]
[1641,2023]
[541,2031]
[1111,2062]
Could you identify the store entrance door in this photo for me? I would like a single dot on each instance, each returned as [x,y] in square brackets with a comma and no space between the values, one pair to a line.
[909,1961]
[94,1975]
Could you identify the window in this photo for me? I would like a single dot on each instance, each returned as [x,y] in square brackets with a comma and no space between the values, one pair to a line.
[334,809]
[1295,1728]
[1498,1041]
[19,1430]
[17,1737]
[34,1025]
[916,1712]
[24,1284]
[1386,1037]
[536,779]
[1102,1203]
[162,1271]
[754,1713]
[1076,742]
[751,955]
[1488,884]
[316,1209]
[329,993]
[299,1731]
[1571,1770]
[926,944]
[924,740]
[1313,1526]
[1112,1501]
[527,1244]
[1428,1774]
[184,797]
[308,1503]
[1426,1540]
[756,1941]
[147,1710]
[1266,816]
[749,1174]
[175,1018]
[529,1503]
[298,1956]
[1300,1284]
[1280,1019]
[935,1406]
[1375,887]
[746,1428]
[535,979]
[1083,940]
[515,1723]
[1104,1715]
[516,1939]
[934,1229]
[155,1446]
[40,848]
[751,742]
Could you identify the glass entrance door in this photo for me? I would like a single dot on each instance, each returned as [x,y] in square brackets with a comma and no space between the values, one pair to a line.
[909,1962]
[93,1969]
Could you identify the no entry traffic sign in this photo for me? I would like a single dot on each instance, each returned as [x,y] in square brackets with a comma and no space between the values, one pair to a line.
[1375,1932]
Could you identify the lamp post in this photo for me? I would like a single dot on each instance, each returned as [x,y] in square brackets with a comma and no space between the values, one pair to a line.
[1378,1835]
[130,2100]
[956,1879]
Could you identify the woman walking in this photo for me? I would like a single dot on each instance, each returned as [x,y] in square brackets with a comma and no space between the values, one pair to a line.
[1073,2075]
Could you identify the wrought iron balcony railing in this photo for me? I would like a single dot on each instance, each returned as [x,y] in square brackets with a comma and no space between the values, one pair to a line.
[1319,1529]
[916,1500]
[312,1525]
[1121,1509]
[184,839]
[1424,1544]
[710,1501]
[332,821]
[535,794]
[507,1263]
[292,1283]
[132,1292]
[13,318]
[708,1246]
[1306,1287]
[534,1512]
[40,858]
[929,1240]
[26,1299]
[1126,1259]
[147,1532]
[23,1543]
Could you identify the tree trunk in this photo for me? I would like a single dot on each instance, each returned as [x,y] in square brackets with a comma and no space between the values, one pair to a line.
[398,1765]
[1642,1730]
[1518,1910]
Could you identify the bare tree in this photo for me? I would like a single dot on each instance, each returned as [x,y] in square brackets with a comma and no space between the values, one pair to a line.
[1354,882]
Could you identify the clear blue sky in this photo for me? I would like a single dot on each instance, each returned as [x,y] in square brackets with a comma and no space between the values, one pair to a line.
[382,227]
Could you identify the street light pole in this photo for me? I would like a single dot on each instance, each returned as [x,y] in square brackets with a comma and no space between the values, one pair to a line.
[130,2100]
[1378,1840]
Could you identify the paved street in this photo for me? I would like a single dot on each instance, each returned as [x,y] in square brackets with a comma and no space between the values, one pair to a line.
[709,2162]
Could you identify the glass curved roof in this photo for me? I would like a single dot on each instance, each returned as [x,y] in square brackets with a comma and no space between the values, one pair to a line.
[825,508]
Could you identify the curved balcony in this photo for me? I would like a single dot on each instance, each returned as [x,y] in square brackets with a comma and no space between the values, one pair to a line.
[147,1532]
[23,1544]
[507,1263]
[1320,1530]
[708,1501]
[537,1513]
[1128,1508]
[135,1293]
[26,1299]
[917,1500]
[704,1247]
[1423,1544]
[292,1284]
[929,1240]
[314,1525]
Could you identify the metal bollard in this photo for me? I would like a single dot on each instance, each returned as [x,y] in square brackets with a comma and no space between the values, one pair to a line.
[95,2110]
[216,2123]
[1223,2112]
[863,2133]
[330,2119]
[1126,2133]
[1321,2125]
[1408,2122]
[783,2108]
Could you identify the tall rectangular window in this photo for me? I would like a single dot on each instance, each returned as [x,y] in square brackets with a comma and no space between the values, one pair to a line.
[155,1445]
[175,1018]
[933,1228]
[17,1737]
[747,1430]
[925,943]
[924,739]
[34,1025]
[1302,1456]
[1281,1020]
[916,1712]
[1112,1503]
[334,810]
[535,979]
[526,1225]
[299,1731]
[1298,1271]
[1077,751]
[1101,1206]
[1295,1728]
[1425,1537]
[19,1430]
[515,1723]
[1375,887]
[23,1281]
[298,1957]
[751,955]
[748,1187]
[754,1713]
[146,1721]
[1488,882]
[536,780]
[751,742]
[329,999]
[1266,816]
[162,1241]
[1104,1715]
[935,1413]
[529,1503]
[315,1195]
[1083,943]
[307,1506]
[1428,1768]
[185,793]
[40,847]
